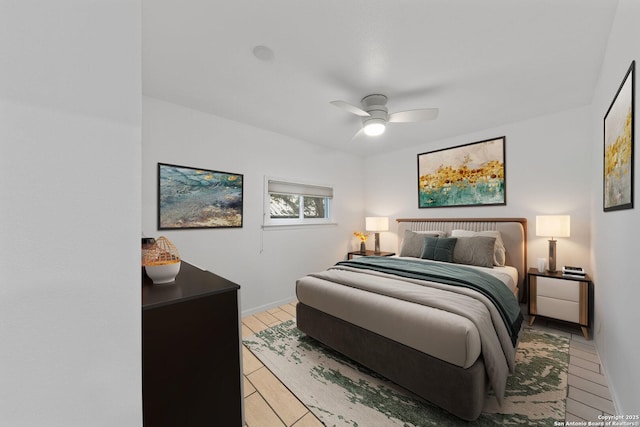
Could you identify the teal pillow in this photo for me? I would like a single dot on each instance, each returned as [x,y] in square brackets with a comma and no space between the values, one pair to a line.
[429,248]
[439,249]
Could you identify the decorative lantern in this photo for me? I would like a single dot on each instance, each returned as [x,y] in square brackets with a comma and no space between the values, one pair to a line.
[162,261]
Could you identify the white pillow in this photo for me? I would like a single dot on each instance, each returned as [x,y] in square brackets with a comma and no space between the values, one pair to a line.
[499,253]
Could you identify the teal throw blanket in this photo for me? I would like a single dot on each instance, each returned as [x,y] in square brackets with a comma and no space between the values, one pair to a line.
[451,274]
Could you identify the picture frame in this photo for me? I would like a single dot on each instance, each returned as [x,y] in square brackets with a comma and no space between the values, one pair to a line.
[618,157]
[194,198]
[472,174]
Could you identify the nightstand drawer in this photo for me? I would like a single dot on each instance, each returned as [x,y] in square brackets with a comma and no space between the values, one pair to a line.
[567,290]
[558,309]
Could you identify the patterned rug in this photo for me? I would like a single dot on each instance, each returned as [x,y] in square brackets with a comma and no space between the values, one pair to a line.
[341,392]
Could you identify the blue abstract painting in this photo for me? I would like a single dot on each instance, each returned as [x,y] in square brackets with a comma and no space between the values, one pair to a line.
[198,198]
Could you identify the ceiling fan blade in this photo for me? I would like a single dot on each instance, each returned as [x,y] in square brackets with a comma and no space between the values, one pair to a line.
[350,108]
[358,134]
[414,115]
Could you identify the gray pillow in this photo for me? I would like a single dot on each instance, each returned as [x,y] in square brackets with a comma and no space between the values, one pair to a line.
[499,255]
[477,250]
[413,242]
[439,249]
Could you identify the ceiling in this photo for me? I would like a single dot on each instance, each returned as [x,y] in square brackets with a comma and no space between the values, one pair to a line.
[483,63]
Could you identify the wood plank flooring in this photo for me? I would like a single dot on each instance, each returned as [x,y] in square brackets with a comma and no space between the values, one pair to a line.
[268,403]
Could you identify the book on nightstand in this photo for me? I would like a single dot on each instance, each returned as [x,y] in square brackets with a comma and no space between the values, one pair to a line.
[570,271]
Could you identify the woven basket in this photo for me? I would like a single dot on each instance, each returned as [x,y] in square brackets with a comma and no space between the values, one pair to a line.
[162,252]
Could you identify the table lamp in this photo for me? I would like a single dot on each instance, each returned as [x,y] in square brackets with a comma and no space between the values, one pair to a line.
[552,226]
[377,224]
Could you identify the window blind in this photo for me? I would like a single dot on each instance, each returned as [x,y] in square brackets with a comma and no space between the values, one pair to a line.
[283,187]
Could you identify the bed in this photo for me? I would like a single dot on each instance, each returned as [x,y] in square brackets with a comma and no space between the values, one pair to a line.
[430,326]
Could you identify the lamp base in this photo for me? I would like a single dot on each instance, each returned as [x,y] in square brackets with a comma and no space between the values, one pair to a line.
[552,256]
[377,246]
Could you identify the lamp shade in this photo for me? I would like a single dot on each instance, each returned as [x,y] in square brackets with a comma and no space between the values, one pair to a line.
[377,223]
[553,225]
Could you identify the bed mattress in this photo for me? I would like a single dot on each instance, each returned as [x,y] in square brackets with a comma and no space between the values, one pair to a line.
[439,333]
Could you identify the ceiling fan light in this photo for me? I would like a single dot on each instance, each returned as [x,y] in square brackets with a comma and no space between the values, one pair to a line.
[374,127]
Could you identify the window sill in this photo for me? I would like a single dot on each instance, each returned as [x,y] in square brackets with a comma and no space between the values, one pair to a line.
[272,227]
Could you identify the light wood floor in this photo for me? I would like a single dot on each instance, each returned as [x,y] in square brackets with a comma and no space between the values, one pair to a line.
[268,403]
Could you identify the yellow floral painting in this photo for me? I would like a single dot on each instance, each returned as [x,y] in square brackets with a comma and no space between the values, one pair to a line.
[618,148]
[466,175]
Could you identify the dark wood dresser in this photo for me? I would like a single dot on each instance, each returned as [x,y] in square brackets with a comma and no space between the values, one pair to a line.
[191,351]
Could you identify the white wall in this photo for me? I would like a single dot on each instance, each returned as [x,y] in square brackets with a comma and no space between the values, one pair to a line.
[264,263]
[616,235]
[547,172]
[69,213]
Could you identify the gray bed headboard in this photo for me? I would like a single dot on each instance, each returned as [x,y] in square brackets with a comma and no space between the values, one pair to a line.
[512,230]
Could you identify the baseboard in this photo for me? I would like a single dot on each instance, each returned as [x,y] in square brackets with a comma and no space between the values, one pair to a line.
[265,307]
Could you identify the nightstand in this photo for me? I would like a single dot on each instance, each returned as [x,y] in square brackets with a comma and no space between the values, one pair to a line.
[351,254]
[556,296]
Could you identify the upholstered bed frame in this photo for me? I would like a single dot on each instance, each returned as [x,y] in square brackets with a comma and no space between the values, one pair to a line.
[458,390]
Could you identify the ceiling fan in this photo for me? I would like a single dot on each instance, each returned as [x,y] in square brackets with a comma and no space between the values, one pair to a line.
[375,114]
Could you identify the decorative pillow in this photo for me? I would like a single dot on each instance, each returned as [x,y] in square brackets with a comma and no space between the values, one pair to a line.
[429,249]
[439,249]
[499,255]
[477,250]
[413,242]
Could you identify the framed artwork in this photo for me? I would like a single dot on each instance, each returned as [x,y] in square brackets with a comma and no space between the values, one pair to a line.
[618,147]
[198,198]
[466,175]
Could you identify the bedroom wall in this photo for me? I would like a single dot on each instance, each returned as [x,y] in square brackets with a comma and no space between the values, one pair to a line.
[264,263]
[70,213]
[546,173]
[616,235]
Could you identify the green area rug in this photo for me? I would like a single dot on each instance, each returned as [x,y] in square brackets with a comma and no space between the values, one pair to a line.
[341,392]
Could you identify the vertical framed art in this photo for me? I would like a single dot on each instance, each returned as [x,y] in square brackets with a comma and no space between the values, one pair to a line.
[466,175]
[198,198]
[619,145]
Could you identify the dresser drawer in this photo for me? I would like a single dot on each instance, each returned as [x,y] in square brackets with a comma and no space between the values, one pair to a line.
[568,290]
[559,309]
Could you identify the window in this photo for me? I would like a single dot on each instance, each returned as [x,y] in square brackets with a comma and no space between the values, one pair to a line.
[294,203]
